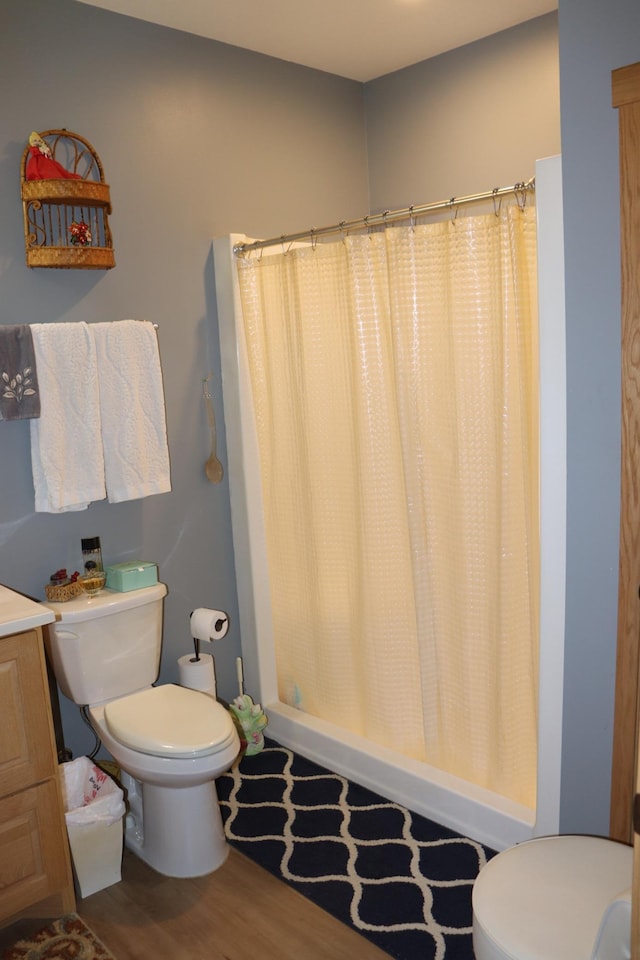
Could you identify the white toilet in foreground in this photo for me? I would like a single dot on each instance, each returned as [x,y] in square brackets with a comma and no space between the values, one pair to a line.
[170,742]
[555,898]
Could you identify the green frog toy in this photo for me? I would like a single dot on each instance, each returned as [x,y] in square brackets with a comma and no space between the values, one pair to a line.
[251,720]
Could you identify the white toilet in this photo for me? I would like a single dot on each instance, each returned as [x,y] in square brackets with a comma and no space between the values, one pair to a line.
[555,898]
[170,742]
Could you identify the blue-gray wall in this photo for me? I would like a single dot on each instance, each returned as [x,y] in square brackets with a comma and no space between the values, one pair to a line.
[467,121]
[595,38]
[197,139]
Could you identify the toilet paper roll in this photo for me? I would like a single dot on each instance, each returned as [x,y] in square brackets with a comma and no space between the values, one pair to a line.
[197,674]
[209,624]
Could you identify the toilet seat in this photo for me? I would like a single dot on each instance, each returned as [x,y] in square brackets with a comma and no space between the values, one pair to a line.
[170,721]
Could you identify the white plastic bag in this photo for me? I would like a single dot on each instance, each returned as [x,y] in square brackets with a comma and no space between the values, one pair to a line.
[91,796]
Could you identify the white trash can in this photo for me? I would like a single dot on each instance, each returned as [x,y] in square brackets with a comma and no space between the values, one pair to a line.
[94,808]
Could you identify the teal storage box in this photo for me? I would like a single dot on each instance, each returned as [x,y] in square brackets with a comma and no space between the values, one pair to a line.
[131,575]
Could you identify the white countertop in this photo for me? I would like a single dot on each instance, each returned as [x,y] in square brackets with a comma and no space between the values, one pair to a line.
[18,613]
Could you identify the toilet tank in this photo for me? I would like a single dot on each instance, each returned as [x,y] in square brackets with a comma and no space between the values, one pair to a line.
[106,646]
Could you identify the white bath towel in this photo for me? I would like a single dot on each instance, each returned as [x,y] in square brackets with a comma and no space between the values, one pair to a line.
[66,445]
[134,433]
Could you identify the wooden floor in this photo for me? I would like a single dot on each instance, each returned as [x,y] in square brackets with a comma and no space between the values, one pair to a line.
[237,913]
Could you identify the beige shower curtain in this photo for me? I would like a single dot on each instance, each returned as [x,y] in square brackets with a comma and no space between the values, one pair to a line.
[394,377]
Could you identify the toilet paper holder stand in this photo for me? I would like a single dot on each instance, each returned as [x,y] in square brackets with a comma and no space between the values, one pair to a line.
[208,625]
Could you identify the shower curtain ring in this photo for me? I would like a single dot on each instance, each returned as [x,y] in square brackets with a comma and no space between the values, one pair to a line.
[412,222]
[520,190]
[496,207]
[314,239]
[454,209]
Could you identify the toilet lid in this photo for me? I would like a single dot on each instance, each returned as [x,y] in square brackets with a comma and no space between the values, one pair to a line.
[545,899]
[170,721]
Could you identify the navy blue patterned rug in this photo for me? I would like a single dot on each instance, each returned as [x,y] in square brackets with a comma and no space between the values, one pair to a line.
[399,879]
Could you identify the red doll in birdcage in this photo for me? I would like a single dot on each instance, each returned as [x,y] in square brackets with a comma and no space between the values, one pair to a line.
[41,164]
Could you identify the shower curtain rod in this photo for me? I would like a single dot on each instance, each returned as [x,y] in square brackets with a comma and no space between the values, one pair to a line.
[390,216]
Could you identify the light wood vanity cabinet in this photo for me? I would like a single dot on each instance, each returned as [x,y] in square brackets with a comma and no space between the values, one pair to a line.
[35,868]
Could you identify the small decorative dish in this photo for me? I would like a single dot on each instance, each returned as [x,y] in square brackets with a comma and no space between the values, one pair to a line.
[60,593]
[62,587]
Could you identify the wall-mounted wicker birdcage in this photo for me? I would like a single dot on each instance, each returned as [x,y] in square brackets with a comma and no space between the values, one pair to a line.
[65,217]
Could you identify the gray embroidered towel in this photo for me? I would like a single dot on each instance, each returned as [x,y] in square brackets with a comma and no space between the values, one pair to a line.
[19,394]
